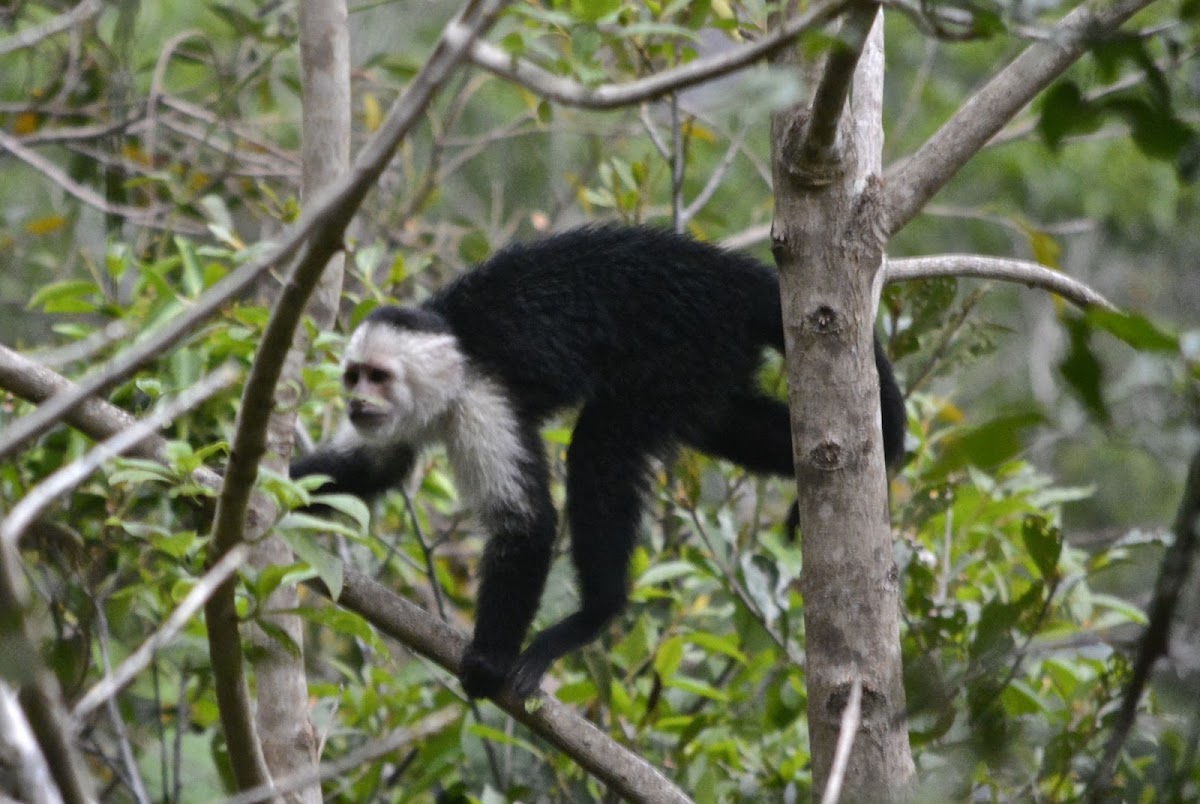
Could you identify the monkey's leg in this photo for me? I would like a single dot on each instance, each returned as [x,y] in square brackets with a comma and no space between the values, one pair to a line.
[516,561]
[754,432]
[607,466]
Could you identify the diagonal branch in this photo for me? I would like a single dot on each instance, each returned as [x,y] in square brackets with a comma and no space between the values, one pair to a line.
[141,658]
[622,770]
[31,36]
[156,218]
[324,221]
[914,181]
[1156,640]
[248,445]
[609,96]
[396,616]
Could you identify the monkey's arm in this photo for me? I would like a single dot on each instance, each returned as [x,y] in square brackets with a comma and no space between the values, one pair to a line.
[356,467]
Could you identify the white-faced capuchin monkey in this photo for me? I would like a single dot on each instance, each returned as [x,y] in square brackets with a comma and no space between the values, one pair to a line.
[655,338]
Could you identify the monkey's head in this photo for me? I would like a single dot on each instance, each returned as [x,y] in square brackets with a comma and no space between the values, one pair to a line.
[402,371]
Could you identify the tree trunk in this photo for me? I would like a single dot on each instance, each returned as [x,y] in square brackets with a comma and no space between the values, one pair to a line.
[826,241]
[288,740]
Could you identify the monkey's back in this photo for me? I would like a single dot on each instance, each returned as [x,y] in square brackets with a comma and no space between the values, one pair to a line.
[631,315]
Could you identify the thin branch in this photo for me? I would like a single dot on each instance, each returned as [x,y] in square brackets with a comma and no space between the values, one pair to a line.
[34,784]
[1027,273]
[74,473]
[918,178]
[155,218]
[334,211]
[324,220]
[714,181]
[851,717]
[610,96]
[621,769]
[376,749]
[748,237]
[63,22]
[140,659]
[69,134]
[818,148]
[157,80]
[1156,640]
[133,775]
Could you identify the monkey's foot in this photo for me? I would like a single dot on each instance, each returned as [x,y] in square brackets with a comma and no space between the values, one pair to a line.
[483,671]
[525,680]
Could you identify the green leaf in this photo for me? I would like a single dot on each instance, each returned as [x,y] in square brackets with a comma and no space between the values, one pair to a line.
[1135,330]
[993,634]
[985,446]
[696,687]
[1064,112]
[1083,371]
[1044,543]
[70,296]
[666,571]
[349,505]
[328,566]
[669,657]
[724,645]
[175,545]
[343,622]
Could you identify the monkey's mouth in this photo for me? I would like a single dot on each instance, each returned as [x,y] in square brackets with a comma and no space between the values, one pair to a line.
[368,419]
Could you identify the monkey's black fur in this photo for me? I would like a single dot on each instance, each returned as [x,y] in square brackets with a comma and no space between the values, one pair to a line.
[657,339]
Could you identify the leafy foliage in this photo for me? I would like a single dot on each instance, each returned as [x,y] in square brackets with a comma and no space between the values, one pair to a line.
[1014,636]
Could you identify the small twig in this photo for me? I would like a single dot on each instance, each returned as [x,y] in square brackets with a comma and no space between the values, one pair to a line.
[1156,639]
[718,174]
[397,739]
[430,570]
[74,473]
[132,773]
[154,218]
[84,348]
[157,80]
[851,717]
[141,658]
[34,783]
[571,93]
[31,36]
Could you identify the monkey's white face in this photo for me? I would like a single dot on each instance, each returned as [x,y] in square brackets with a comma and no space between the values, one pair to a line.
[400,383]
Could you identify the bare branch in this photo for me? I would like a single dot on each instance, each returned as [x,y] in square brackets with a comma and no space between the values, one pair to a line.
[33,780]
[851,717]
[818,151]
[31,36]
[376,749]
[622,770]
[132,775]
[155,218]
[324,220]
[918,178]
[714,181]
[334,210]
[1156,640]
[140,659]
[74,473]
[1027,273]
[610,96]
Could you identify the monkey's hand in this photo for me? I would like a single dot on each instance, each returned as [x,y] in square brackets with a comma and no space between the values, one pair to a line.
[483,670]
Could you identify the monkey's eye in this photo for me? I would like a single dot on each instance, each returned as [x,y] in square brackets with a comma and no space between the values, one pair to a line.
[377,376]
[350,378]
